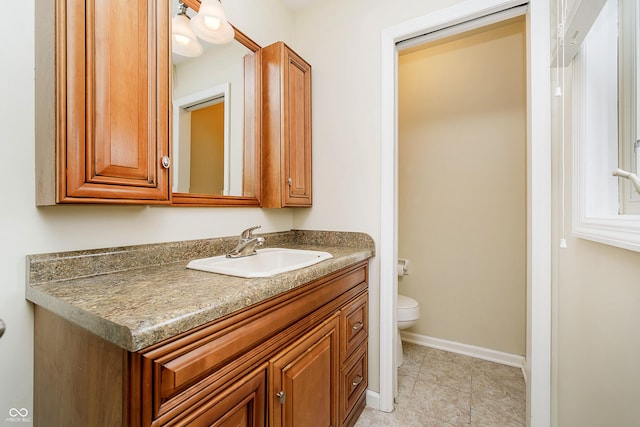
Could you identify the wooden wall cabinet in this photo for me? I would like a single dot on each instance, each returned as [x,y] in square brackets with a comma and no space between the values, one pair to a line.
[102,101]
[286,120]
[298,359]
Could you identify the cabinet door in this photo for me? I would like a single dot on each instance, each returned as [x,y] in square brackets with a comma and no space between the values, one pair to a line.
[286,143]
[110,111]
[305,379]
[297,138]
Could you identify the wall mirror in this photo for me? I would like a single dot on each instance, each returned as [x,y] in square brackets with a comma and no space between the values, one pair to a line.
[216,123]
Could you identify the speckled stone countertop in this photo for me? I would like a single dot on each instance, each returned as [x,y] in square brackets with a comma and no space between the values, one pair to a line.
[137,296]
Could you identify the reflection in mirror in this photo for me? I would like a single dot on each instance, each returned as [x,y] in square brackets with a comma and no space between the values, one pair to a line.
[201,152]
[216,125]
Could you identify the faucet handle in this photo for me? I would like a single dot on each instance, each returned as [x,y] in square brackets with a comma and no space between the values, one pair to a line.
[246,234]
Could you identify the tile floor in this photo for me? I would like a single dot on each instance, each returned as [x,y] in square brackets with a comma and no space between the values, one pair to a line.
[438,388]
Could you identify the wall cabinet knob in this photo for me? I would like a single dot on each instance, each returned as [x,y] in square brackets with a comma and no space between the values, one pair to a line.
[290,181]
[166,162]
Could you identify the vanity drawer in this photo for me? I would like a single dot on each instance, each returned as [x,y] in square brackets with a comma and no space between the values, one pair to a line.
[241,403]
[354,325]
[353,381]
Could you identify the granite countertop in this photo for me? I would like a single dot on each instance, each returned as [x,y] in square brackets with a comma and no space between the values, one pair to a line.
[138,296]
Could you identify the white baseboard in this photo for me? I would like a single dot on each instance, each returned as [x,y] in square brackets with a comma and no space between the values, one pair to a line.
[373,399]
[466,349]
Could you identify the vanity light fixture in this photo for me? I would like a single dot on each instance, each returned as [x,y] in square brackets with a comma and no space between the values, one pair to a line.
[210,24]
[183,40]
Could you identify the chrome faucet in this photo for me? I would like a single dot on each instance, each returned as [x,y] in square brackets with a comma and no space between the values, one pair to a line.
[247,244]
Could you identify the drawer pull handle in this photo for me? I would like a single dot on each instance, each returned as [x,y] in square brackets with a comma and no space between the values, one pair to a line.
[357,326]
[357,381]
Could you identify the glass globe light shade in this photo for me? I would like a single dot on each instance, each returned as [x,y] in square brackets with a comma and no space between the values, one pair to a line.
[183,40]
[211,25]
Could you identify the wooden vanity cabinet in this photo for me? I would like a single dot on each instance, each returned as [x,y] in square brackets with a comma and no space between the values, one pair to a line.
[297,359]
[102,101]
[286,120]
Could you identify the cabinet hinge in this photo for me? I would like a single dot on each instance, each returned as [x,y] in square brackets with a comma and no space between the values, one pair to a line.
[282,396]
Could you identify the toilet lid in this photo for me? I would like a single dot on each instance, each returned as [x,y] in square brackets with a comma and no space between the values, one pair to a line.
[407,309]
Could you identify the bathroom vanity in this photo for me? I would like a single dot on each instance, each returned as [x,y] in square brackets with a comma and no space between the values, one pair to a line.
[158,344]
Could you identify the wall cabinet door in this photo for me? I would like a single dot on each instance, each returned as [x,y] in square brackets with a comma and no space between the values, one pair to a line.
[286,128]
[102,88]
[305,380]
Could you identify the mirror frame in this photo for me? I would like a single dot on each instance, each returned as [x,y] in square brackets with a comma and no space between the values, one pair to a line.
[252,163]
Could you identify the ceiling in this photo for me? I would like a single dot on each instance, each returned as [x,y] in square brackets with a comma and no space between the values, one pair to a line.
[296,5]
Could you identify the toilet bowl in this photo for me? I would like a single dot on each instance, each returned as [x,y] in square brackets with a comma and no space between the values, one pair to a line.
[407,314]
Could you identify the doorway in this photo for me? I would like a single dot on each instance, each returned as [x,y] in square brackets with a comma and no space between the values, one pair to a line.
[474,13]
[462,112]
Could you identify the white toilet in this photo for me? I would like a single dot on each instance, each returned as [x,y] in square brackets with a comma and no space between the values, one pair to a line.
[407,314]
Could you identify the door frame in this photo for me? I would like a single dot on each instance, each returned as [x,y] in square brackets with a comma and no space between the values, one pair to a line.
[538,336]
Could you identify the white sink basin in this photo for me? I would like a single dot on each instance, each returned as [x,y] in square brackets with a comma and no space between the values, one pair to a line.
[266,263]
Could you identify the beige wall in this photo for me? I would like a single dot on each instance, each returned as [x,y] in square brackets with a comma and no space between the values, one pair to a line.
[462,180]
[596,316]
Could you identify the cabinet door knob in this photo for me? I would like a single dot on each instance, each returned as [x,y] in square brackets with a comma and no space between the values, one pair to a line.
[166,162]
[290,181]
[282,396]
[2,327]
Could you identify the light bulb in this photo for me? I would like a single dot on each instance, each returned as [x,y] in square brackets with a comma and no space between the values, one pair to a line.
[181,40]
[212,23]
